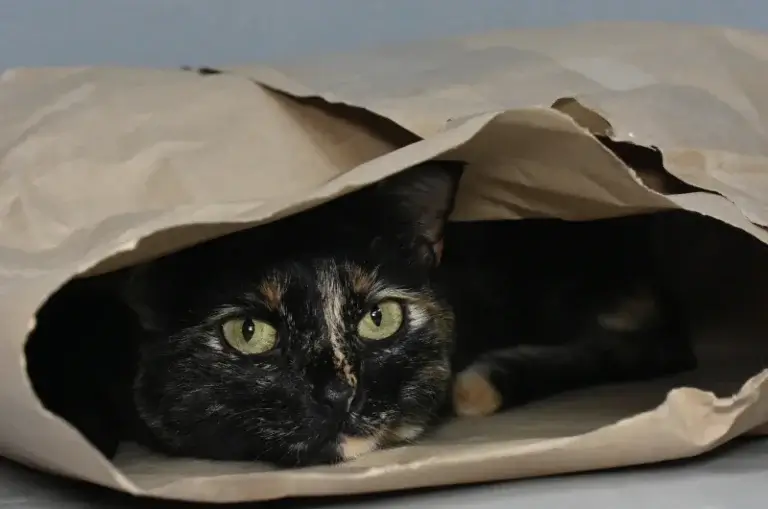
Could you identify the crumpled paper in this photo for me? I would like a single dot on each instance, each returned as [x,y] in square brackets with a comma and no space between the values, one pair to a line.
[103,167]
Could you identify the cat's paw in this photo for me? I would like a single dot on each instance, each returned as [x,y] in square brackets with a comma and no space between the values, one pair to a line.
[474,395]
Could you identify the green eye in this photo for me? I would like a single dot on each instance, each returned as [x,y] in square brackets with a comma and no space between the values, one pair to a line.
[382,321]
[251,337]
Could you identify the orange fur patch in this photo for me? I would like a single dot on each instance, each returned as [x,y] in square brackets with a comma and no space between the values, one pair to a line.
[362,281]
[272,291]
[474,395]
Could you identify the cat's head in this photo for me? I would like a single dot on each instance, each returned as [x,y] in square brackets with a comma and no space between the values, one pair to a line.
[307,340]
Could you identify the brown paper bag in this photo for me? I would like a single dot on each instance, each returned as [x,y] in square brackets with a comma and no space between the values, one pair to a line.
[104,167]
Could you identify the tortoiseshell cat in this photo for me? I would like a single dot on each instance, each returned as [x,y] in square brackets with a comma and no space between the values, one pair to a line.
[339,331]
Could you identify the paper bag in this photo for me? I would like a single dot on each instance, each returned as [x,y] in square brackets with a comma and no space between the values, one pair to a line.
[104,167]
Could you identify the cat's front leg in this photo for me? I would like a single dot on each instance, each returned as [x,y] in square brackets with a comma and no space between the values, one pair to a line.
[508,377]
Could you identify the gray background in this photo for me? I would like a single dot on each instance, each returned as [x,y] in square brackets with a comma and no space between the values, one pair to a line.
[213,32]
[175,32]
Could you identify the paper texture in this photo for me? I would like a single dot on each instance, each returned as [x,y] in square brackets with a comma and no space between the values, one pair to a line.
[104,167]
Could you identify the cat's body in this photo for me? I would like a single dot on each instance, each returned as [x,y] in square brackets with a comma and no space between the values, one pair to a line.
[543,306]
[339,331]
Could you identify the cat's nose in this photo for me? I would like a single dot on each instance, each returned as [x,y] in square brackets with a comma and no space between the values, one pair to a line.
[337,394]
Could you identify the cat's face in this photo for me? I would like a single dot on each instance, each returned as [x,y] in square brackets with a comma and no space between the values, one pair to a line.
[309,340]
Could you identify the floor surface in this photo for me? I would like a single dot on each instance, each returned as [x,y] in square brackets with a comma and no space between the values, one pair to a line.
[735,477]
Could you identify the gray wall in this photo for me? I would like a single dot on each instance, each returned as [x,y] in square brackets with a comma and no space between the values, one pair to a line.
[174,32]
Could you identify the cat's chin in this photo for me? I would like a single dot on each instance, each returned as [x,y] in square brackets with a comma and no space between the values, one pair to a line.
[348,447]
[351,447]
[341,450]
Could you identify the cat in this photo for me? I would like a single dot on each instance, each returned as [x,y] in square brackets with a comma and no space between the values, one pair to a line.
[358,325]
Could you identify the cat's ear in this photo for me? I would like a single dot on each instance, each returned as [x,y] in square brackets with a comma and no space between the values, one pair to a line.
[143,289]
[424,196]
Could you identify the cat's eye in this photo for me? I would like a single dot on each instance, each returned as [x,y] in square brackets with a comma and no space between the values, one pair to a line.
[249,336]
[381,321]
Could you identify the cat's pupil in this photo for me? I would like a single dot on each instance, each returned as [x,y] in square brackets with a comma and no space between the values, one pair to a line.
[248,329]
[376,316]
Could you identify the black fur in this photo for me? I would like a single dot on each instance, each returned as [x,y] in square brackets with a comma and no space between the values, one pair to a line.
[552,305]
[139,354]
